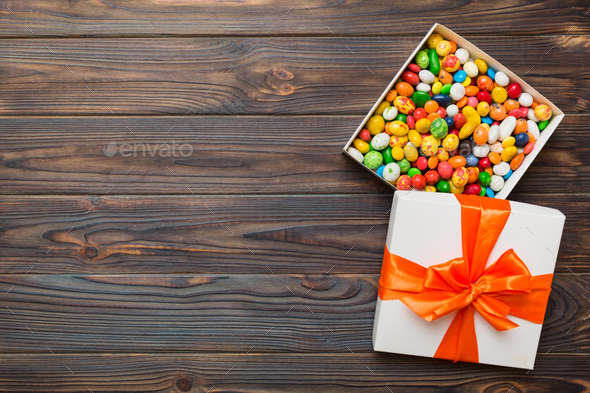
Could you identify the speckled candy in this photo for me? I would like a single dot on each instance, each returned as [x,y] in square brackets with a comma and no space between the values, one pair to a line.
[460,177]
[404,105]
[373,159]
[404,183]
[543,112]
[380,141]
[391,172]
[429,146]
[439,128]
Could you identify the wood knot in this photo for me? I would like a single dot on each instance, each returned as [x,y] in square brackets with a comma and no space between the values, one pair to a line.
[90,252]
[184,384]
[286,88]
[319,283]
[96,200]
[280,73]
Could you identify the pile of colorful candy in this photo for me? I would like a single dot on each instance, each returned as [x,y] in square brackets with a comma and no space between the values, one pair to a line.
[451,124]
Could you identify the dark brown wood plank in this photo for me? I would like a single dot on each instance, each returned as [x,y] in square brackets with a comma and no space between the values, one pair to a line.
[217,235]
[231,155]
[141,17]
[284,372]
[236,313]
[233,75]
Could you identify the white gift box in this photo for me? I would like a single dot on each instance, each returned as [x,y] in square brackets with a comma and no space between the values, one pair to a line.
[475,53]
[426,229]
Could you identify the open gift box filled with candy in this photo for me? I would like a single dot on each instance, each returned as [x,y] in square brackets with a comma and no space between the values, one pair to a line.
[477,290]
[454,120]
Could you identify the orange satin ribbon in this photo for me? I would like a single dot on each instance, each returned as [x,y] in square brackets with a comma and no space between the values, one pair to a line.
[464,284]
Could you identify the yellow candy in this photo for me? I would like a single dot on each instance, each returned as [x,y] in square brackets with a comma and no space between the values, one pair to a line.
[510,141]
[442,154]
[467,130]
[483,108]
[455,189]
[509,153]
[411,153]
[381,107]
[466,82]
[415,137]
[451,142]
[499,94]
[375,125]
[430,188]
[486,125]
[471,115]
[443,48]
[423,126]
[543,112]
[433,40]
[361,145]
[400,141]
[436,87]
[398,128]
[397,153]
[430,146]
[482,66]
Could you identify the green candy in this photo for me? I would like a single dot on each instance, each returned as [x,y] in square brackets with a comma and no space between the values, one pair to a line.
[543,124]
[373,159]
[439,128]
[404,165]
[401,117]
[485,179]
[482,192]
[443,186]
[387,157]
[422,59]
[446,89]
[434,65]
[413,172]
[420,98]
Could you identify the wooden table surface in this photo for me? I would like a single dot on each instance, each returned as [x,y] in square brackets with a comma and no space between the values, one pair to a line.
[252,264]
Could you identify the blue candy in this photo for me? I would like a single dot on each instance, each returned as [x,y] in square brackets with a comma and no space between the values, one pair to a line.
[492,74]
[460,76]
[450,122]
[380,170]
[472,160]
[488,120]
[522,139]
[506,176]
[489,192]
[442,100]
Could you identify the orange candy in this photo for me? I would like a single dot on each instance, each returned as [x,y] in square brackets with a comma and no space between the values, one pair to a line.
[453,46]
[473,174]
[511,104]
[521,126]
[445,77]
[404,89]
[432,116]
[495,158]
[485,83]
[534,104]
[431,106]
[462,102]
[516,161]
[531,137]
[480,135]
[471,91]
[489,170]
[432,162]
[391,95]
[457,162]
[497,112]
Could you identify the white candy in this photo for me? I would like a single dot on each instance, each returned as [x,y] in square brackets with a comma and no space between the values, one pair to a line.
[457,91]
[497,147]
[520,150]
[423,87]
[391,172]
[531,115]
[502,79]
[462,55]
[525,99]
[426,76]
[494,133]
[380,141]
[501,169]
[481,151]
[471,69]
[357,155]
[390,113]
[506,127]
[497,182]
[452,110]
[533,128]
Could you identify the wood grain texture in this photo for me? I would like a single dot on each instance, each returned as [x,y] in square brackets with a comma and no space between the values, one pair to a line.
[236,313]
[365,373]
[218,235]
[231,155]
[233,75]
[255,17]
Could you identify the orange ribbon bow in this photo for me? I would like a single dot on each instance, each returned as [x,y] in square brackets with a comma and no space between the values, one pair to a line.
[464,285]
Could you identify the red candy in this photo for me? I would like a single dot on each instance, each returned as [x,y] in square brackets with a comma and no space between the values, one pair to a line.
[410,122]
[432,177]
[365,135]
[472,189]
[445,170]
[514,90]
[411,78]
[485,97]
[516,113]
[418,182]
[422,163]
[485,162]
[442,112]
[420,113]
[404,183]
[525,111]
[414,68]
[459,120]
[454,132]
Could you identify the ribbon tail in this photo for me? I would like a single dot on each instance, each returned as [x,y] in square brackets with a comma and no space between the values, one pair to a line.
[460,340]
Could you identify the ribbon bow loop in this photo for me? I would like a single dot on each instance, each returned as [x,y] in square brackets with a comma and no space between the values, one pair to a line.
[463,285]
